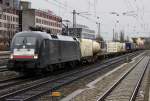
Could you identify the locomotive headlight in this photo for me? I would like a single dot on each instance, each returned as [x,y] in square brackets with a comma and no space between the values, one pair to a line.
[35,56]
[11,56]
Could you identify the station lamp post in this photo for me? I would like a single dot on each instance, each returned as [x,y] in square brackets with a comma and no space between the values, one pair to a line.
[98,37]
[74,18]
[115,34]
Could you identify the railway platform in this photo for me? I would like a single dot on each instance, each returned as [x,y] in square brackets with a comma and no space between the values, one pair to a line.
[96,89]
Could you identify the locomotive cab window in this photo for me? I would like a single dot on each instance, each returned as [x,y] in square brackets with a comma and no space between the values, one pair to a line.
[23,43]
[30,41]
[19,41]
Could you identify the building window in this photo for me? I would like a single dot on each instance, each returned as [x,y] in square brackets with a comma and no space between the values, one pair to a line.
[40,21]
[17,19]
[5,25]
[0,24]
[7,4]
[1,1]
[0,16]
[36,20]
[13,19]
[4,17]
[8,18]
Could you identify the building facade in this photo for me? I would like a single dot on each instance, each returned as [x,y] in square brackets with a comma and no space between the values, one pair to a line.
[82,31]
[41,19]
[9,23]
[10,3]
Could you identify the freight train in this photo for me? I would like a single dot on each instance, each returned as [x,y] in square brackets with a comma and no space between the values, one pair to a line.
[38,52]
[34,51]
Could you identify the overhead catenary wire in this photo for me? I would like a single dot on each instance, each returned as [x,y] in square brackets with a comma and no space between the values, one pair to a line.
[64,6]
[131,5]
[139,14]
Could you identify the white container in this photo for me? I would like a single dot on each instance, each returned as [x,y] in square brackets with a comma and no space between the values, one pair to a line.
[123,47]
[114,47]
[86,46]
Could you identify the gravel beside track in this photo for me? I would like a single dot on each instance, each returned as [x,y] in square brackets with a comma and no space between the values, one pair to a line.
[67,89]
[125,89]
[90,93]
[5,75]
[4,58]
[3,69]
[144,90]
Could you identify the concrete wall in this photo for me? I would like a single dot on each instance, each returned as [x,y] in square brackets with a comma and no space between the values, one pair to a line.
[28,19]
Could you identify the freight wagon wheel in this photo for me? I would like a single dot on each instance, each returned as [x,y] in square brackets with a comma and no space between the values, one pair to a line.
[93,59]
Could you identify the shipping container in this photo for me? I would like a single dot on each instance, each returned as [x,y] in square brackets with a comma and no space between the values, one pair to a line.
[114,47]
[128,46]
[122,47]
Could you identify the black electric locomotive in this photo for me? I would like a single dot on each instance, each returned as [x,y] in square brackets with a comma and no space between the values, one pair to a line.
[39,51]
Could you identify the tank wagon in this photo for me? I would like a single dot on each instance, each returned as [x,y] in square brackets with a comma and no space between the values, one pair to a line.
[34,51]
[89,50]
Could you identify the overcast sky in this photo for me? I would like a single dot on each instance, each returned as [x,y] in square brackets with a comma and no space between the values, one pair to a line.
[135,22]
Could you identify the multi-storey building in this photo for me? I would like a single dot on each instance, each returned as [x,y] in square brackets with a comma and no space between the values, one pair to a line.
[82,31]
[41,19]
[13,20]
[10,3]
[9,23]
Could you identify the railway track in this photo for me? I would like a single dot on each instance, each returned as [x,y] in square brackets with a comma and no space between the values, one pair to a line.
[126,87]
[17,78]
[3,69]
[37,88]
[3,60]
[9,80]
[16,81]
[4,57]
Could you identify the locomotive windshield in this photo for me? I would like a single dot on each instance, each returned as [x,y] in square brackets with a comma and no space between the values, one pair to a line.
[24,45]
[29,41]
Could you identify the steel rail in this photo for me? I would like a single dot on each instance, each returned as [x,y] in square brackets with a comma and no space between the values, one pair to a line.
[16,81]
[106,61]
[102,98]
[133,97]
[3,68]
[59,82]
[9,80]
